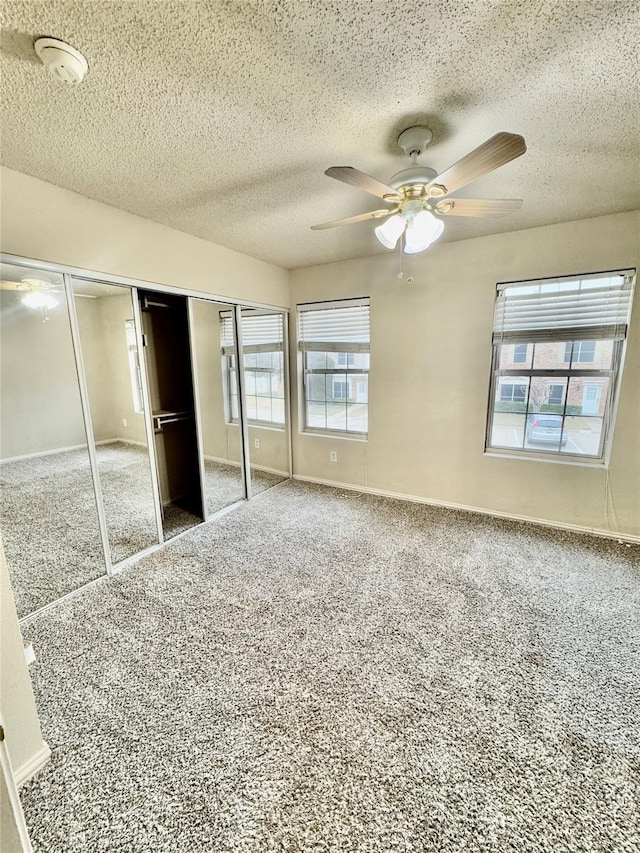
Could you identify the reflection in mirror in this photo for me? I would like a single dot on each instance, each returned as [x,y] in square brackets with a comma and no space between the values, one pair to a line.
[48,511]
[168,361]
[214,343]
[265,392]
[112,370]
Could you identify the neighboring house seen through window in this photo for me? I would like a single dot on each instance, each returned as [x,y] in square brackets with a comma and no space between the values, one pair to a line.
[579,351]
[557,351]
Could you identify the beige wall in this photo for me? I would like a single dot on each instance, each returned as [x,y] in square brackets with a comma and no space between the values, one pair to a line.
[430,366]
[96,367]
[27,750]
[42,221]
[105,355]
[221,440]
[41,408]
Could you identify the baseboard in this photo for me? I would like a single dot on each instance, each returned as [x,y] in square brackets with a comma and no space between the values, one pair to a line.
[222,461]
[68,449]
[33,765]
[43,453]
[121,440]
[543,522]
[239,465]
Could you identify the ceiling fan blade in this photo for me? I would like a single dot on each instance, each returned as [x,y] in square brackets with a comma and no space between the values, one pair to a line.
[373,214]
[12,285]
[84,296]
[349,175]
[495,152]
[478,206]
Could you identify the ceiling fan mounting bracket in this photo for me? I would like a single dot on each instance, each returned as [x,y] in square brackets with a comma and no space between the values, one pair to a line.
[414,140]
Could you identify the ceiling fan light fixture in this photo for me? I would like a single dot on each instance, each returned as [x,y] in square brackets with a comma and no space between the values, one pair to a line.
[389,232]
[423,230]
[38,299]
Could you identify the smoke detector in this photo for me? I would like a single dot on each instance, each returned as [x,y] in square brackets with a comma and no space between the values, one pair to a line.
[62,61]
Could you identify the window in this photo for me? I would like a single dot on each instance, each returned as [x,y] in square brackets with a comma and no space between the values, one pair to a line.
[579,351]
[555,394]
[520,353]
[333,338]
[513,393]
[346,359]
[566,337]
[340,390]
[263,348]
[134,366]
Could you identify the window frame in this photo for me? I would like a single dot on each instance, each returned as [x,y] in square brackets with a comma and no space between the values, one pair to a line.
[135,372]
[350,350]
[613,374]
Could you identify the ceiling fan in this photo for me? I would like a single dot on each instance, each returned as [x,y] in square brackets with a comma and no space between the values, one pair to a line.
[419,196]
[38,293]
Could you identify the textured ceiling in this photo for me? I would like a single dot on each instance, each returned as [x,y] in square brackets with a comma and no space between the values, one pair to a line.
[219,118]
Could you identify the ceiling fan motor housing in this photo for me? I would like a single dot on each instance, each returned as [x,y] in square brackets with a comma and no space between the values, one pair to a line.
[413,175]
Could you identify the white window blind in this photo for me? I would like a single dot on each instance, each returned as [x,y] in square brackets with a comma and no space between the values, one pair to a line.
[261,332]
[574,308]
[341,326]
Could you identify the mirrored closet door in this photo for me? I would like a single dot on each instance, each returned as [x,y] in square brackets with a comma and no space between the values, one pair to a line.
[266,396]
[128,415]
[109,343]
[48,510]
[216,378]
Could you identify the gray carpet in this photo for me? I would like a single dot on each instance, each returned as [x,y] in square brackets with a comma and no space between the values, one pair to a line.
[127,495]
[49,519]
[49,527]
[326,672]
[224,484]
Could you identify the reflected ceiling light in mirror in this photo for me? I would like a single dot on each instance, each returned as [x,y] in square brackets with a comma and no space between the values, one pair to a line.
[39,299]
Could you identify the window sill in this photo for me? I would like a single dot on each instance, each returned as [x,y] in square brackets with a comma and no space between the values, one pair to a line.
[259,425]
[341,436]
[547,457]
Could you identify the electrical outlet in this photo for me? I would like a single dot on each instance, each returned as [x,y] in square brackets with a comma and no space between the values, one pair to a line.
[256,442]
[124,422]
[333,456]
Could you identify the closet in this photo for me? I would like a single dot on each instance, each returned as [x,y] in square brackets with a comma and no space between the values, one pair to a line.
[167,354]
[129,413]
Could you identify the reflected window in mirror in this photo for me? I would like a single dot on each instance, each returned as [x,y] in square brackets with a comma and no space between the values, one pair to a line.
[263,346]
[134,367]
